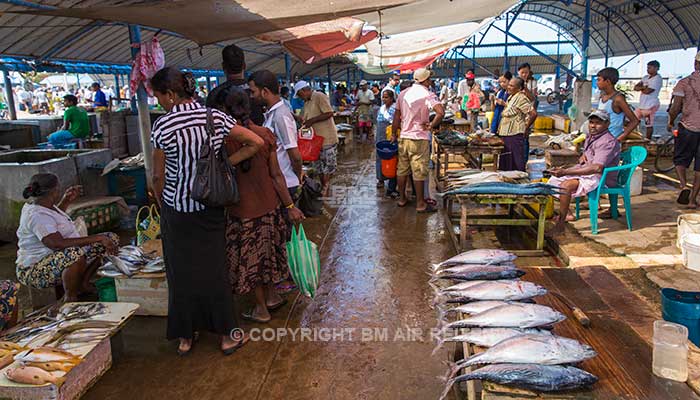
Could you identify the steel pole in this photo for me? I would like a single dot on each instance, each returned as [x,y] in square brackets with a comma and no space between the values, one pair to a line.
[144,115]
[288,69]
[506,62]
[586,40]
[9,97]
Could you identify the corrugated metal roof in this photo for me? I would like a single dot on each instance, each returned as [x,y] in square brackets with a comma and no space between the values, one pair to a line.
[445,68]
[515,50]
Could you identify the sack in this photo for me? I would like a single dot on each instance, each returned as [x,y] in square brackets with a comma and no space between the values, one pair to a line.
[149,228]
[310,146]
[215,178]
[310,202]
[304,262]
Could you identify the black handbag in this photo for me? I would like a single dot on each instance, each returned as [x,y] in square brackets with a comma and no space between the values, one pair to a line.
[215,179]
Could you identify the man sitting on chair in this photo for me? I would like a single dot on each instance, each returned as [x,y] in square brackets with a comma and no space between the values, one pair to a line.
[600,150]
[76,124]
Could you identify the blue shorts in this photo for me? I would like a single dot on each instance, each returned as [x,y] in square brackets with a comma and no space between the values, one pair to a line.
[60,138]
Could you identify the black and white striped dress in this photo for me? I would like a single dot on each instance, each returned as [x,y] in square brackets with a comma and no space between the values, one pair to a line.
[180,134]
[194,236]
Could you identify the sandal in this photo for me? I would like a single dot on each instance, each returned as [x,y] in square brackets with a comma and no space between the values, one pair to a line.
[431,202]
[232,349]
[248,316]
[380,184]
[277,306]
[428,209]
[683,197]
[183,353]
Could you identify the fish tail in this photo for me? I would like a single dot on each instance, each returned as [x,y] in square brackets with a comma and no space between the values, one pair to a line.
[440,343]
[59,381]
[446,390]
[434,267]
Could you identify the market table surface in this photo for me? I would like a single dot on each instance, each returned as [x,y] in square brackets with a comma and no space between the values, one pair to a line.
[623,364]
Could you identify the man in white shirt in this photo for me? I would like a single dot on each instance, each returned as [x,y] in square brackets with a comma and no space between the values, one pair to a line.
[464,87]
[365,97]
[650,86]
[279,119]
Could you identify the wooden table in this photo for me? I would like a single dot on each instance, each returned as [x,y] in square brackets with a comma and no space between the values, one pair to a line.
[343,117]
[623,363]
[514,203]
[476,154]
[458,124]
[473,154]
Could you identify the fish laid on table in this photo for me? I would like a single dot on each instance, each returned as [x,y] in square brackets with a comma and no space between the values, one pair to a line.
[32,376]
[487,272]
[480,256]
[488,337]
[80,310]
[51,366]
[535,349]
[494,188]
[513,315]
[503,290]
[47,354]
[456,287]
[467,267]
[123,267]
[540,378]
[475,307]
[6,345]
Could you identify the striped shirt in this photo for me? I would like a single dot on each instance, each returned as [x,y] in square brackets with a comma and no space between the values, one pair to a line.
[180,134]
[514,116]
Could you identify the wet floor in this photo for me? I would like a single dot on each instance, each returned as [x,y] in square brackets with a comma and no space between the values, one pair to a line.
[371,317]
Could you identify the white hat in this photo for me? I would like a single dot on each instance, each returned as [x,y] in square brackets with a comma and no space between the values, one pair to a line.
[300,85]
[363,82]
[697,56]
[421,74]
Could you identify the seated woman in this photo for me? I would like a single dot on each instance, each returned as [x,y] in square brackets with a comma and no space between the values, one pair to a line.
[600,150]
[51,251]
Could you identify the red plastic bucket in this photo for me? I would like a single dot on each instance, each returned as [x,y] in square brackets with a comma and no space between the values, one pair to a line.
[389,167]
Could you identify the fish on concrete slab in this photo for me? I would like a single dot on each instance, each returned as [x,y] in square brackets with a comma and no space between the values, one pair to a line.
[480,256]
[513,315]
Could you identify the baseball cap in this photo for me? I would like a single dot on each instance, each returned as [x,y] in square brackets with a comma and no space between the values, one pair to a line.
[300,85]
[470,75]
[363,82]
[421,74]
[601,114]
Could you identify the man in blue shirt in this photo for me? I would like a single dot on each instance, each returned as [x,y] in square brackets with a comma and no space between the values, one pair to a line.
[99,100]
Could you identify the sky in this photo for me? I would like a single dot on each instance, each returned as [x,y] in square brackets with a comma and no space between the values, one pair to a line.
[673,63]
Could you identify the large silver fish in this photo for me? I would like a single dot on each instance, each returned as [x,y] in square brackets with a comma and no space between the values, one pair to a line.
[437,269]
[540,378]
[475,307]
[503,290]
[124,267]
[487,272]
[526,349]
[480,256]
[513,315]
[487,337]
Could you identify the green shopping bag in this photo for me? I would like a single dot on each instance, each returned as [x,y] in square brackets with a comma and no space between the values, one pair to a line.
[304,262]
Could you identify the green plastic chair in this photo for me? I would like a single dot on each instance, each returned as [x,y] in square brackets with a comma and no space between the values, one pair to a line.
[630,159]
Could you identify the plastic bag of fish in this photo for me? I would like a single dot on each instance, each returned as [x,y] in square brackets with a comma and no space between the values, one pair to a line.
[130,260]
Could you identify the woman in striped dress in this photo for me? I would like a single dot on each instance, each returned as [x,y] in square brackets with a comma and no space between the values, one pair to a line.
[194,241]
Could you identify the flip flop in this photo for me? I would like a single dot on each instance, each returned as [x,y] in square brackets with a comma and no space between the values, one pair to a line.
[231,350]
[428,209]
[277,306]
[683,197]
[248,316]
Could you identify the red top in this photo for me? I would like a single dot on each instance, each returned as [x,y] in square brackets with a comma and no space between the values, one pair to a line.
[257,192]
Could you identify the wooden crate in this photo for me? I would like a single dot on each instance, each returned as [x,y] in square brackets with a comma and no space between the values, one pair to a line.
[562,122]
[149,292]
[78,380]
[561,158]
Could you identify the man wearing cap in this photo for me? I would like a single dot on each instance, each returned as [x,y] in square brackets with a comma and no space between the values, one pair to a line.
[650,86]
[318,115]
[686,100]
[465,87]
[412,116]
[600,150]
[365,97]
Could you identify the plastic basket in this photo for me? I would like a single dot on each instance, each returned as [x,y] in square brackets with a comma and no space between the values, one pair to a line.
[387,150]
[389,167]
[99,219]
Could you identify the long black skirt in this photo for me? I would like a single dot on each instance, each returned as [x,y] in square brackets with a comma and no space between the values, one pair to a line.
[513,156]
[194,249]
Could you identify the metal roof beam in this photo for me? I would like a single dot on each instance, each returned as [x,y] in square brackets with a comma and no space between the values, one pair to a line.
[656,5]
[604,12]
[536,50]
[474,62]
[553,26]
[544,43]
[563,13]
[70,39]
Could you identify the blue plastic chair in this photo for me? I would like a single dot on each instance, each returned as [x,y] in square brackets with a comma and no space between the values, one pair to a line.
[630,159]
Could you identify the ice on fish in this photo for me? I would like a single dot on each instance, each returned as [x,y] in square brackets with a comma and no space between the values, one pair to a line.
[504,290]
[540,378]
[480,256]
[513,315]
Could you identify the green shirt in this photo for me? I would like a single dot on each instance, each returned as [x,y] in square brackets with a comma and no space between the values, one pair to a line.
[79,121]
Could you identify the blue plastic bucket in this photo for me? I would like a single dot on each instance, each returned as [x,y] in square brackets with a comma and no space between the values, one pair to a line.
[682,308]
[386,150]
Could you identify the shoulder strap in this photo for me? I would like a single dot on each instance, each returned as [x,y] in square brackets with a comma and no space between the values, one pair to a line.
[210,123]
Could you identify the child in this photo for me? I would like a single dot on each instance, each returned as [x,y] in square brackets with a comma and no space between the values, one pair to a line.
[615,104]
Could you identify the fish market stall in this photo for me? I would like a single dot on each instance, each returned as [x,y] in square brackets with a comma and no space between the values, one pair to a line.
[467,205]
[521,339]
[60,356]
[448,145]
